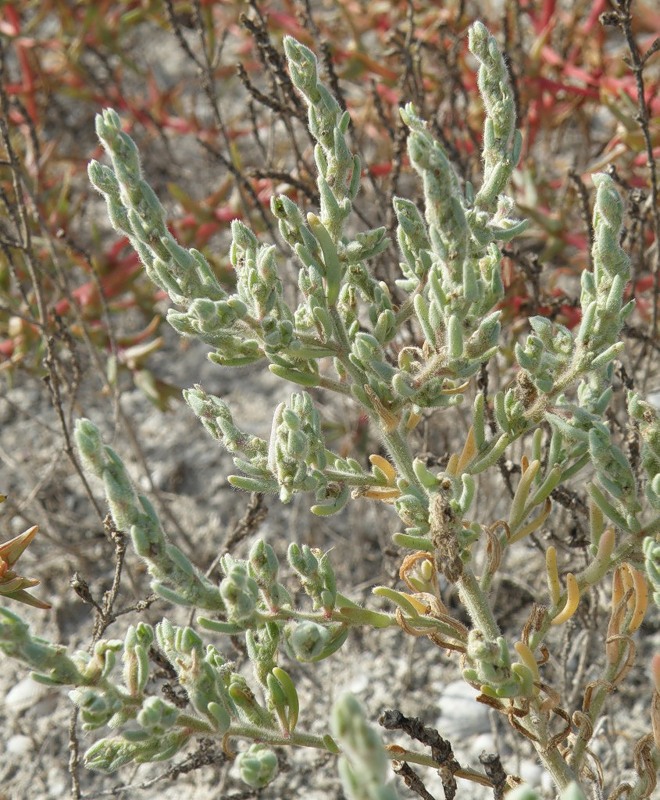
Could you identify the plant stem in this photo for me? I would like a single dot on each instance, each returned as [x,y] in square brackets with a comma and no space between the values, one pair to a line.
[477,605]
[559,770]
[400,453]
[295,738]
[334,386]
[345,349]
[298,739]
[599,696]
[410,757]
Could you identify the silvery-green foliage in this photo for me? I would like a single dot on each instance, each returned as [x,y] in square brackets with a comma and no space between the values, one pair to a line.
[451,284]
[452,275]
[345,334]
[257,766]
[51,663]
[175,578]
[364,767]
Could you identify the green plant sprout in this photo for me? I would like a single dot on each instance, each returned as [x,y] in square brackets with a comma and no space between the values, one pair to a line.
[350,334]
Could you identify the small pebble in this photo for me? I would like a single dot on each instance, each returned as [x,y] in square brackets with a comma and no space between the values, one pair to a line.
[483,743]
[57,784]
[531,773]
[19,745]
[460,714]
[24,694]
[359,683]
[654,399]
